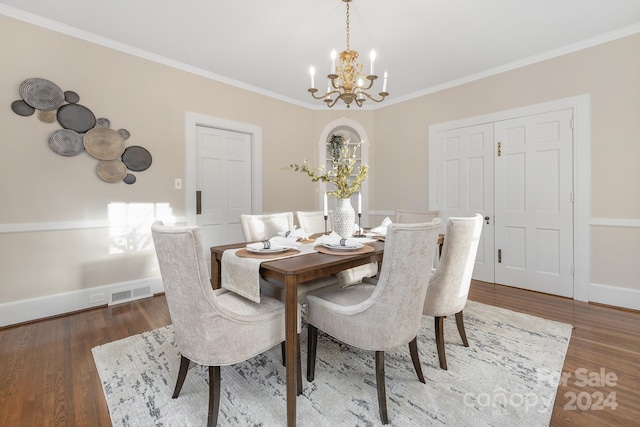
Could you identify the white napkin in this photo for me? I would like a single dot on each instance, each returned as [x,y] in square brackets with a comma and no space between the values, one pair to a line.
[335,239]
[275,242]
[382,228]
[296,234]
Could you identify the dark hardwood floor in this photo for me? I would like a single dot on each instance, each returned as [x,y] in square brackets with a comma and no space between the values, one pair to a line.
[48,377]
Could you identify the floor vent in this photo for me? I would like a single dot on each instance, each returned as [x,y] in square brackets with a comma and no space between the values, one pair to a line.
[130,295]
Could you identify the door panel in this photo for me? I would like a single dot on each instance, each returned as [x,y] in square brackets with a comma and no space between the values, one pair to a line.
[465,184]
[533,202]
[223,174]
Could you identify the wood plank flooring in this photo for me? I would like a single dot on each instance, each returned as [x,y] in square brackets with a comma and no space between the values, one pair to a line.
[48,377]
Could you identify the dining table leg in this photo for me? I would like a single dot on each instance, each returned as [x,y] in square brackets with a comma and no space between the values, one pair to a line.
[291,322]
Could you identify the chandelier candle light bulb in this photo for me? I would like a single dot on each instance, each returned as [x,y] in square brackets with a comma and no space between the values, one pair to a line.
[312,71]
[372,55]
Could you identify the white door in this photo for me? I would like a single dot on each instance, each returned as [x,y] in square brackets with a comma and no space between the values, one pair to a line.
[464,182]
[534,202]
[223,180]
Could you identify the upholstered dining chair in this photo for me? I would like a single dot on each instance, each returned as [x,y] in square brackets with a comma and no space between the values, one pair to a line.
[211,327]
[449,283]
[407,217]
[313,222]
[380,317]
[265,226]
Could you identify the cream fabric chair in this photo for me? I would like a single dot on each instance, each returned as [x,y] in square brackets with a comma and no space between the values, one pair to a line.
[265,226]
[313,222]
[449,284]
[212,327]
[380,317]
[408,217]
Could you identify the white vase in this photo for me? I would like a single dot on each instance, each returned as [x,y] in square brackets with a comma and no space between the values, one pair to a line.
[344,218]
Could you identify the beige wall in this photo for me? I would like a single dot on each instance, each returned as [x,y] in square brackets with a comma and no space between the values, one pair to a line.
[150,99]
[610,73]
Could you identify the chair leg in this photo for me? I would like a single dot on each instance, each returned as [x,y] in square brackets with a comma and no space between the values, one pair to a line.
[182,374]
[299,370]
[283,348]
[382,393]
[312,345]
[460,324]
[415,358]
[439,326]
[214,395]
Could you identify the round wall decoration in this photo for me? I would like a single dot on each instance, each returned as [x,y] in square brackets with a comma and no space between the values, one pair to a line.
[66,142]
[103,123]
[136,158]
[76,117]
[104,144]
[129,179]
[41,94]
[47,116]
[21,108]
[111,170]
[124,133]
[81,131]
[71,97]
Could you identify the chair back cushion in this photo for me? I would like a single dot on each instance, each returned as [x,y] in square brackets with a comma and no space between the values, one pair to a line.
[265,226]
[449,283]
[313,221]
[410,217]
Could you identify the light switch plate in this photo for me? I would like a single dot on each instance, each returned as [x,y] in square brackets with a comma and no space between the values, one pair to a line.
[178,184]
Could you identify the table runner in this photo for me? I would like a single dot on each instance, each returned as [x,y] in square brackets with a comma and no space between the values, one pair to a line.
[242,275]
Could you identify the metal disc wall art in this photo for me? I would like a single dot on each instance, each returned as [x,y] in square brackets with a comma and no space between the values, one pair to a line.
[41,94]
[66,142]
[104,143]
[81,130]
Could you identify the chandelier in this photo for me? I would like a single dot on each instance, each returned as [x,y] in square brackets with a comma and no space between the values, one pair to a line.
[346,78]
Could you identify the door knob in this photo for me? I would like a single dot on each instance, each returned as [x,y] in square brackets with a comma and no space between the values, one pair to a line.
[486,218]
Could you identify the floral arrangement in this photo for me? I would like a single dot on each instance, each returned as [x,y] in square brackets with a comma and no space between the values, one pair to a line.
[343,161]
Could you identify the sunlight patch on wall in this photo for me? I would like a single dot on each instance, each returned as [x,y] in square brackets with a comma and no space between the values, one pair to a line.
[130,224]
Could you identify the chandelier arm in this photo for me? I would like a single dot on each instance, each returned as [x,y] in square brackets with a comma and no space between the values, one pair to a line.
[383,95]
[313,93]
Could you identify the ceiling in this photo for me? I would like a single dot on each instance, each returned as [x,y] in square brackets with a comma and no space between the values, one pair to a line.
[268,45]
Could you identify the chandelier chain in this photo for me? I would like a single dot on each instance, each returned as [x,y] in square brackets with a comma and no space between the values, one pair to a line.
[348,29]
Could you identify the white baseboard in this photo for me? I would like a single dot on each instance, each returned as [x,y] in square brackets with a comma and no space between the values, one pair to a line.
[614,295]
[15,312]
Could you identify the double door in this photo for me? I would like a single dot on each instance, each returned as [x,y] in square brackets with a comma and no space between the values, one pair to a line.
[518,174]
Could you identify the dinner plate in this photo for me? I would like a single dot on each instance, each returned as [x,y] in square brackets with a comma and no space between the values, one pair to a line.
[338,247]
[271,250]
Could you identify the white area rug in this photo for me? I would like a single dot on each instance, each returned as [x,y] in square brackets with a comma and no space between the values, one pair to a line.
[507,377]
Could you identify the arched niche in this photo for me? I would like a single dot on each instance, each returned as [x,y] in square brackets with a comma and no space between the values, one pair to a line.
[356,132]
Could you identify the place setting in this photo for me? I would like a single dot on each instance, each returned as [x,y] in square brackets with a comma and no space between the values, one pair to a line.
[334,244]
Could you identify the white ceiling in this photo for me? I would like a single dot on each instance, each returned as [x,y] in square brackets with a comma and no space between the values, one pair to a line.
[269,45]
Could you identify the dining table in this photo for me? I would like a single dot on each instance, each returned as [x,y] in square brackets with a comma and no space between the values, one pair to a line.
[291,271]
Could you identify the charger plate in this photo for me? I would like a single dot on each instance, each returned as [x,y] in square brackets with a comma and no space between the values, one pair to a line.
[244,253]
[365,249]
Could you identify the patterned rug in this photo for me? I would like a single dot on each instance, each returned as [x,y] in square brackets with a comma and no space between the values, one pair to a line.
[507,377]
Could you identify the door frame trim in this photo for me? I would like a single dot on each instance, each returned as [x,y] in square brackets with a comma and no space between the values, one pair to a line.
[581,106]
[191,122]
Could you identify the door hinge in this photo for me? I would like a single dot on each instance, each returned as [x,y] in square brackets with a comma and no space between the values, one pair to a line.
[573,197]
[499,149]
[499,256]
[198,202]
[571,122]
[573,270]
